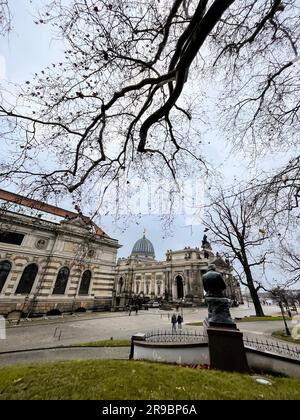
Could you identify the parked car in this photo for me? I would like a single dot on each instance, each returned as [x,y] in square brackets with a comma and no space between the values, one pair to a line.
[155,305]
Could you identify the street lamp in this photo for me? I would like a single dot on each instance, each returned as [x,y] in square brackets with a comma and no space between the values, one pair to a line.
[288,333]
[277,293]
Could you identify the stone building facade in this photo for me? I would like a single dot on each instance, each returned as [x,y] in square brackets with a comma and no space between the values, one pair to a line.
[61,266]
[69,264]
[178,277]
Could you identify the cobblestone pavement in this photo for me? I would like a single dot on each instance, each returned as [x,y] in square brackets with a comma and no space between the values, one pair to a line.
[102,326]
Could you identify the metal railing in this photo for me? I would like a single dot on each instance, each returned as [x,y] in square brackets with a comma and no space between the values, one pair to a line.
[281,349]
[179,336]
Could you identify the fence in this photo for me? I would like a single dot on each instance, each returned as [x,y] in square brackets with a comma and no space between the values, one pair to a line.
[185,336]
[281,349]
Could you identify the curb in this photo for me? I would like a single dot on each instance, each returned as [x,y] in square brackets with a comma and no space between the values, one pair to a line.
[62,347]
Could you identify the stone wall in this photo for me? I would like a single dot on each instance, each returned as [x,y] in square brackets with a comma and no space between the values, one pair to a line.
[258,360]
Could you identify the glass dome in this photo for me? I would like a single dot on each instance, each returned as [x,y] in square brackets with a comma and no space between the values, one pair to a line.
[143,248]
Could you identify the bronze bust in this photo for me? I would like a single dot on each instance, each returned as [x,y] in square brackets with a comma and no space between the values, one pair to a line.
[213,282]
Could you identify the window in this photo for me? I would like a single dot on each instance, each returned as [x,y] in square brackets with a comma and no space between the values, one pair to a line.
[158,289]
[11,238]
[120,285]
[61,281]
[27,279]
[85,283]
[5,267]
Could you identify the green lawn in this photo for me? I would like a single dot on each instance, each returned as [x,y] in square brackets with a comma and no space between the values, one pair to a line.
[247,319]
[262,318]
[105,343]
[281,334]
[113,379]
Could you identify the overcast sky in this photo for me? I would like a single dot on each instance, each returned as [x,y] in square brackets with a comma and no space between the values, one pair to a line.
[31,47]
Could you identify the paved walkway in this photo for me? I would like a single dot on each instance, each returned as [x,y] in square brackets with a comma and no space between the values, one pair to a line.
[72,330]
[52,355]
[102,326]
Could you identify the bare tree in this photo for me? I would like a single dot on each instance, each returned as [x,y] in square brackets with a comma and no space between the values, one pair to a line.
[290,263]
[232,223]
[278,196]
[261,96]
[123,99]
[5,17]
[260,100]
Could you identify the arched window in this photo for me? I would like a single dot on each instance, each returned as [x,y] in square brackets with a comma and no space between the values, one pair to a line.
[27,279]
[61,281]
[5,267]
[85,283]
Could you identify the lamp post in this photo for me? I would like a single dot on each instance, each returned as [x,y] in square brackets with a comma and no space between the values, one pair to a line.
[278,294]
[288,333]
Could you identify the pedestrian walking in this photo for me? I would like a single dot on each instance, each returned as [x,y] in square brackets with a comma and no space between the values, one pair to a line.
[179,321]
[129,311]
[174,322]
[136,309]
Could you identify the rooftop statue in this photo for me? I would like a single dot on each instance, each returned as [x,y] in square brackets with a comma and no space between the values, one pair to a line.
[205,243]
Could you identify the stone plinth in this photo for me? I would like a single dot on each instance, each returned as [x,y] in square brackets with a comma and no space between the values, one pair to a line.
[226,349]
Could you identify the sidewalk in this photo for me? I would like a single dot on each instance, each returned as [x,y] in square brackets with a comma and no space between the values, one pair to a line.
[60,354]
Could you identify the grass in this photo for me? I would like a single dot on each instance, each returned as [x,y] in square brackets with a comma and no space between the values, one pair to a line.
[282,336]
[248,319]
[131,380]
[105,343]
[262,318]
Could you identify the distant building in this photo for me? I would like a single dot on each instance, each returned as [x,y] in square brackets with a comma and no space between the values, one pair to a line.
[69,264]
[60,266]
[178,277]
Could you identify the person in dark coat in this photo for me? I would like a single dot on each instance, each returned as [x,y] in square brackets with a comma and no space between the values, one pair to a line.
[174,322]
[179,321]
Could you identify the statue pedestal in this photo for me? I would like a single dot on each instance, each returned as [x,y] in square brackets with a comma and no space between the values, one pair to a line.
[225,341]
[226,349]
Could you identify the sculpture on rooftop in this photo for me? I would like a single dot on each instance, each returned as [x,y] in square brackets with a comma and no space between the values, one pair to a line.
[205,243]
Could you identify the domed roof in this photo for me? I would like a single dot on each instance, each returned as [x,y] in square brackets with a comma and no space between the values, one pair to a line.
[143,248]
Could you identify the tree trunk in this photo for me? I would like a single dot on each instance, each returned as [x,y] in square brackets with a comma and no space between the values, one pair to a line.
[253,292]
